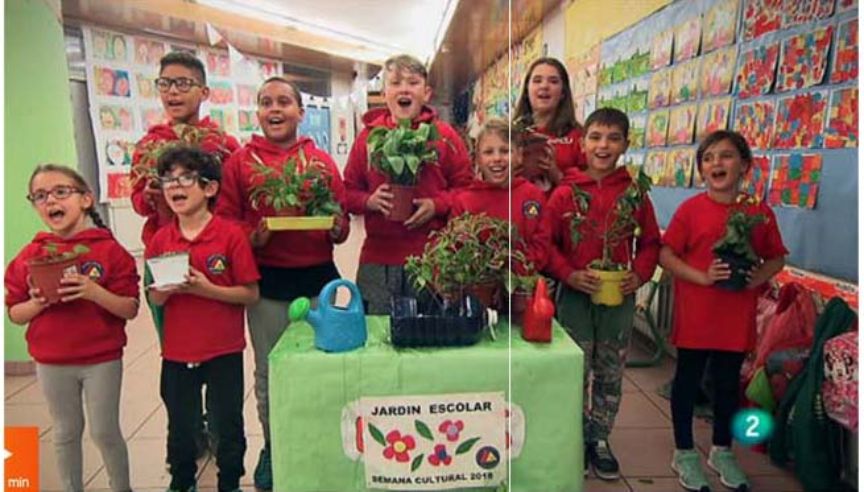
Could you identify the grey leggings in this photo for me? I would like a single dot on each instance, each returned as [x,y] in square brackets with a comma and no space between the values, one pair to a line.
[99,384]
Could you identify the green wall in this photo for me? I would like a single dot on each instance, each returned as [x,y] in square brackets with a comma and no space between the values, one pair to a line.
[38,123]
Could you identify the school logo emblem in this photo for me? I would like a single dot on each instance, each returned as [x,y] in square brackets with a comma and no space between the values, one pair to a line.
[531,209]
[487,457]
[93,269]
[217,264]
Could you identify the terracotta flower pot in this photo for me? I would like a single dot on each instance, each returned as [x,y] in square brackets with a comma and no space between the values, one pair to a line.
[518,304]
[739,266]
[45,274]
[486,293]
[609,293]
[403,202]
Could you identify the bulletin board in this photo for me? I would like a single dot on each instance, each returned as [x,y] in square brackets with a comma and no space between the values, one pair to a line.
[783,73]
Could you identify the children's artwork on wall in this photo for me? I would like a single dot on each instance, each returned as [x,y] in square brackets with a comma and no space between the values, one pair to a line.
[756,71]
[119,185]
[801,120]
[148,52]
[115,117]
[719,28]
[658,124]
[661,49]
[660,89]
[842,130]
[268,69]
[795,180]
[756,180]
[797,12]
[638,97]
[146,85]
[844,5]
[681,121]
[246,95]
[687,36]
[110,46]
[655,165]
[713,115]
[803,60]
[221,92]
[218,64]
[119,151]
[111,82]
[845,66]
[685,81]
[637,131]
[225,119]
[718,70]
[633,161]
[678,171]
[583,71]
[247,121]
[761,17]
[152,116]
[755,122]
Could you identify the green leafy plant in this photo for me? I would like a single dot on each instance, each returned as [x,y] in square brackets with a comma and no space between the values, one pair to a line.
[739,228]
[523,274]
[208,139]
[619,223]
[301,184]
[401,152]
[54,252]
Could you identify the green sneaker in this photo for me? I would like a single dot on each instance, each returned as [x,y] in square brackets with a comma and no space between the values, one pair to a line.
[263,476]
[688,465]
[722,461]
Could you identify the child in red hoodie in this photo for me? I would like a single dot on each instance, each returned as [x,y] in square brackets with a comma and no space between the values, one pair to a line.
[381,273]
[497,196]
[292,263]
[603,332]
[78,341]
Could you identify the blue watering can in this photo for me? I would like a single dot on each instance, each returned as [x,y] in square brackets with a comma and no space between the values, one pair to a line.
[336,329]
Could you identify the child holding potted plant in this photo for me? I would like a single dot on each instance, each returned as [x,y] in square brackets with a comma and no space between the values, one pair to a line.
[286,172]
[601,215]
[714,323]
[371,192]
[204,337]
[77,340]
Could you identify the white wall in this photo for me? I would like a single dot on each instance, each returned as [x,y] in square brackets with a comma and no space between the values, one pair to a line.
[553,32]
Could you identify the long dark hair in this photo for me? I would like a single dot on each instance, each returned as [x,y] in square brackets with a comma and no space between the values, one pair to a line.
[564,119]
[79,182]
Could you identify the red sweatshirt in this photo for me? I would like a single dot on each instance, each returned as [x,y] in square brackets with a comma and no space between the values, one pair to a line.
[215,141]
[565,257]
[389,242]
[286,249]
[525,209]
[568,148]
[77,332]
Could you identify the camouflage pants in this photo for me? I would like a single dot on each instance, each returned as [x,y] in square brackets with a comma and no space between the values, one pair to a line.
[603,333]
[377,283]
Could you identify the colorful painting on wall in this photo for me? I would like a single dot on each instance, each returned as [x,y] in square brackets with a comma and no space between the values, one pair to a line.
[845,66]
[655,165]
[658,125]
[681,121]
[842,130]
[756,180]
[718,70]
[756,71]
[687,36]
[803,60]
[637,99]
[637,131]
[660,89]
[800,121]
[719,28]
[678,171]
[795,180]
[713,115]
[755,121]
[761,17]
[685,81]
[844,5]
[797,12]
[661,49]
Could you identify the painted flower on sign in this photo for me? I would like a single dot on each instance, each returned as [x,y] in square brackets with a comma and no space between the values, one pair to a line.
[451,428]
[399,446]
[439,456]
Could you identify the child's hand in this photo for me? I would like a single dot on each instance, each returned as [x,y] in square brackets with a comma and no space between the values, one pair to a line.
[716,271]
[424,213]
[36,293]
[336,230]
[261,235]
[196,283]
[152,191]
[381,200]
[630,283]
[77,286]
[584,281]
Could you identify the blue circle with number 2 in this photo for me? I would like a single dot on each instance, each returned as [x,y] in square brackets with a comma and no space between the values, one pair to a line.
[752,426]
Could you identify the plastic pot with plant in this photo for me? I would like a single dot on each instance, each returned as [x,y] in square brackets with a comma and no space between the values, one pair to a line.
[47,269]
[735,248]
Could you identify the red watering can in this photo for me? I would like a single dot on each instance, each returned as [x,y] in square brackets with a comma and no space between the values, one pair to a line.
[537,320]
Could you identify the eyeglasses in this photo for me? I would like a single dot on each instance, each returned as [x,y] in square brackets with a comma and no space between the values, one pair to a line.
[163,84]
[184,180]
[58,192]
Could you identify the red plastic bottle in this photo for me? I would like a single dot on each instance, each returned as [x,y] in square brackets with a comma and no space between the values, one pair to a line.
[537,320]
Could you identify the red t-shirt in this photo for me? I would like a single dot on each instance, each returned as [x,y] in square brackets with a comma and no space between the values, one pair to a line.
[77,332]
[710,317]
[198,329]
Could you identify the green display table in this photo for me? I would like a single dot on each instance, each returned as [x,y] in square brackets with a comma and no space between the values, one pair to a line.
[311,392]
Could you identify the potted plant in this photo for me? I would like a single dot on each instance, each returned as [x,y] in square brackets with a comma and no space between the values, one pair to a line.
[523,279]
[300,194]
[532,142]
[47,269]
[619,225]
[468,256]
[400,153]
[735,247]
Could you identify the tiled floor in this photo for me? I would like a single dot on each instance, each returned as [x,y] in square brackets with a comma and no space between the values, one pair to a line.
[642,439]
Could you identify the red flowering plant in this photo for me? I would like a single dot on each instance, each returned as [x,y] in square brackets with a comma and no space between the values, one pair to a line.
[301,184]
[210,140]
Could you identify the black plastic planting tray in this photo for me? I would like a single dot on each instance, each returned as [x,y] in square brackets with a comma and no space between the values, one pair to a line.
[431,322]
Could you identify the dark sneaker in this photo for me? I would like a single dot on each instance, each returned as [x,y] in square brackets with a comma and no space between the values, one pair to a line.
[192,488]
[263,476]
[603,461]
[587,463]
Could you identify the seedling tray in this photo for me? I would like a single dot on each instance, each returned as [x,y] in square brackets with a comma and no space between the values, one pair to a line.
[430,322]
